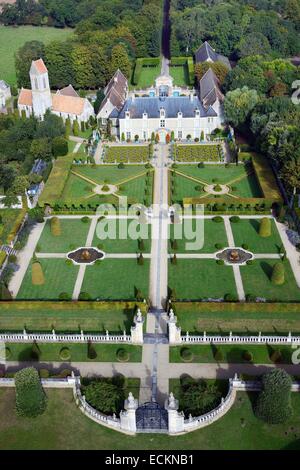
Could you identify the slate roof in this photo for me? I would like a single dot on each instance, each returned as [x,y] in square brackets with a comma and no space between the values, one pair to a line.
[206,52]
[116,91]
[171,105]
[3,85]
[210,90]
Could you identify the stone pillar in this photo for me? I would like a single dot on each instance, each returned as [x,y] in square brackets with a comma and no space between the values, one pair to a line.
[137,335]
[175,419]
[174,331]
[128,418]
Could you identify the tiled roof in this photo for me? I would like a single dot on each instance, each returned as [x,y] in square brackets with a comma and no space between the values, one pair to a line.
[25,97]
[152,106]
[39,66]
[68,91]
[67,104]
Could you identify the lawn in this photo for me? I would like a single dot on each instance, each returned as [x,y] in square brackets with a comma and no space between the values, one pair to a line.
[78,352]
[200,279]
[257,282]
[180,75]
[246,231]
[49,431]
[116,229]
[73,235]
[148,76]
[214,233]
[116,279]
[239,318]
[131,182]
[232,354]
[67,317]
[237,178]
[59,278]
[12,38]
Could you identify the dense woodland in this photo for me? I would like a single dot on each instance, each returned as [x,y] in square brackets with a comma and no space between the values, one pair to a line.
[107,35]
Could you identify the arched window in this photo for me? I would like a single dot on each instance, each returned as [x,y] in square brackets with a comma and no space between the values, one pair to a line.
[36,83]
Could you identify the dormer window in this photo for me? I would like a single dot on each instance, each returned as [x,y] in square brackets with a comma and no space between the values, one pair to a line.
[162,113]
[180,114]
[197,113]
[127,114]
[145,115]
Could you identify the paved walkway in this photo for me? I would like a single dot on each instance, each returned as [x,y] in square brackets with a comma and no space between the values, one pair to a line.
[24,259]
[98,153]
[291,251]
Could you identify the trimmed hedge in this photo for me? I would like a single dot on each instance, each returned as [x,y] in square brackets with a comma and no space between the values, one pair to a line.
[31,400]
[55,226]
[265,228]
[57,180]
[3,257]
[143,62]
[278,274]
[189,63]
[37,275]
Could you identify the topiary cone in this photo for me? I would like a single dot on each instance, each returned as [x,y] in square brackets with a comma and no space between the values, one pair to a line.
[265,227]
[37,274]
[278,274]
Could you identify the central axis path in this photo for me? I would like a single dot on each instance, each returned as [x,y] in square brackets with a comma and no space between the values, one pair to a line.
[156,319]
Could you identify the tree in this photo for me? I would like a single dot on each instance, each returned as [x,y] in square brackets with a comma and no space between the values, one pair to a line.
[238,105]
[68,128]
[59,146]
[19,186]
[103,395]
[199,397]
[75,128]
[265,227]
[290,174]
[120,60]
[220,70]
[253,44]
[41,149]
[274,401]
[31,50]
[31,400]
[278,274]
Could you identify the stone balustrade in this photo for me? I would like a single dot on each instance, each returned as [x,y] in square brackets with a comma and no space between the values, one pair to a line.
[135,337]
[175,337]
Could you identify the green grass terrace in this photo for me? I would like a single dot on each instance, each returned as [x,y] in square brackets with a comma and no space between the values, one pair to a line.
[68,317]
[243,318]
[22,433]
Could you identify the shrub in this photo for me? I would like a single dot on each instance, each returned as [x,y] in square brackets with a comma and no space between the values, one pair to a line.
[278,274]
[247,356]
[174,260]
[220,262]
[84,295]
[230,298]
[217,188]
[31,400]
[218,246]
[218,355]
[55,226]
[37,274]
[250,262]
[275,356]
[218,219]
[235,219]
[186,354]
[65,354]
[44,373]
[64,373]
[121,166]
[201,165]
[105,188]
[198,188]
[122,355]
[91,353]
[265,227]
[7,353]
[59,147]
[64,296]
[140,260]
[174,245]
[85,219]
[245,246]
[274,401]
[199,397]
[76,128]
[105,396]
[12,259]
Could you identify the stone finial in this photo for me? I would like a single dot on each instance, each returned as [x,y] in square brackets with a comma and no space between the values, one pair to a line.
[235,376]
[190,418]
[172,401]
[139,316]
[131,400]
[171,315]
[107,333]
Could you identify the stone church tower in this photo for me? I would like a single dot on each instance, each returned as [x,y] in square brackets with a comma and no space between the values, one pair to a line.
[41,94]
